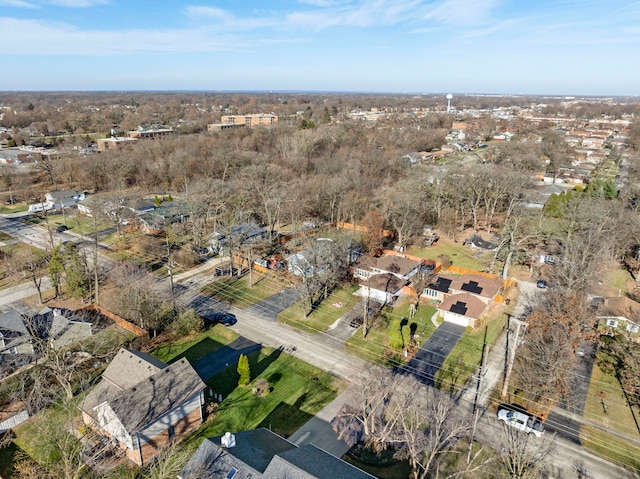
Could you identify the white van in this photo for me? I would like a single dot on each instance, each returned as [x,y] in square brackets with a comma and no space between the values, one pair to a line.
[522,421]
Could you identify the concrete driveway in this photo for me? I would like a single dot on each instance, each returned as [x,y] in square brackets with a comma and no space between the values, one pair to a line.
[427,362]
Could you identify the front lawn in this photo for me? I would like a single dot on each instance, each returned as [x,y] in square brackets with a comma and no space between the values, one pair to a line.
[605,392]
[465,357]
[298,391]
[195,346]
[236,290]
[375,346]
[339,302]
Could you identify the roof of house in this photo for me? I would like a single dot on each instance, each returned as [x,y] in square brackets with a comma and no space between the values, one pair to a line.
[441,283]
[125,370]
[129,367]
[476,284]
[398,265]
[151,398]
[386,282]
[12,321]
[464,304]
[315,462]
[260,453]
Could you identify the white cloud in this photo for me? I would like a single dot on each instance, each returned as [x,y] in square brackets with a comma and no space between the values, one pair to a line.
[325,3]
[28,37]
[199,12]
[17,3]
[78,3]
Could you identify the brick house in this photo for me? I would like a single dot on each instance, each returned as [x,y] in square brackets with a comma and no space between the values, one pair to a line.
[141,403]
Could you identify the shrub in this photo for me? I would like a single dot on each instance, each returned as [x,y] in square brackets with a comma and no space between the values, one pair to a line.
[187,323]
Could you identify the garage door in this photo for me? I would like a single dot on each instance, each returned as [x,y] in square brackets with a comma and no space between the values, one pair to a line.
[458,319]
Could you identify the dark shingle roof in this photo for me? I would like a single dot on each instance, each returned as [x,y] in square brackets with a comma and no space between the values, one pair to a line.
[311,462]
[260,453]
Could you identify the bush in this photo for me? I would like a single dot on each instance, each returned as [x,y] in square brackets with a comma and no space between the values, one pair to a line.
[187,323]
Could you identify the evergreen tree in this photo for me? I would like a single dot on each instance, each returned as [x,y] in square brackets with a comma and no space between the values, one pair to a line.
[56,268]
[244,371]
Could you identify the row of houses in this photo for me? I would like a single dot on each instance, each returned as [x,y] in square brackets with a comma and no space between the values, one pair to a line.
[460,299]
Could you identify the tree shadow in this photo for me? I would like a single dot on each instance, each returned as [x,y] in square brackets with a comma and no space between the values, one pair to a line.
[285,419]
[258,365]
[199,350]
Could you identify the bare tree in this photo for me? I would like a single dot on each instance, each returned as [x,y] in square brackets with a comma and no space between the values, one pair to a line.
[524,456]
[558,326]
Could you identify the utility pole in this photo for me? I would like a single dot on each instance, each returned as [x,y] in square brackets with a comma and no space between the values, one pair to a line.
[476,409]
[169,269]
[511,351]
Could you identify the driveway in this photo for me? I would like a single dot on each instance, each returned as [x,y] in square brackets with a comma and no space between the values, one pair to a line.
[427,362]
[220,359]
[272,306]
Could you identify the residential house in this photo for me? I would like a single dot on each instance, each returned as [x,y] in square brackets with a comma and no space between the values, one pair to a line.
[398,265]
[14,335]
[235,236]
[384,278]
[620,315]
[262,454]
[141,403]
[64,198]
[312,260]
[463,299]
[58,327]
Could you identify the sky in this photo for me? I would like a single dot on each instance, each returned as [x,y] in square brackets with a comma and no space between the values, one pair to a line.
[545,47]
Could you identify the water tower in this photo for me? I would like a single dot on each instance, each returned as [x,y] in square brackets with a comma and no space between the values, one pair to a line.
[449,98]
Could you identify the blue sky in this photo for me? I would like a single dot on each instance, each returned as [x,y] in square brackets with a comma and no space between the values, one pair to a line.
[569,47]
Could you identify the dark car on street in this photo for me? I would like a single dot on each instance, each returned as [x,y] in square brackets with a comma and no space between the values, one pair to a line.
[228,319]
[61,229]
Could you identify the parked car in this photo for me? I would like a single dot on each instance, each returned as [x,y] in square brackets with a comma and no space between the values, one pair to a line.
[356,322]
[542,283]
[61,229]
[521,420]
[228,319]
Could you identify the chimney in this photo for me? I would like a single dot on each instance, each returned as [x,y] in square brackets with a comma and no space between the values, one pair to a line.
[228,440]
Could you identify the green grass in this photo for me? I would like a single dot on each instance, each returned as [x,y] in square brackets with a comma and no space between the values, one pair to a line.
[325,314]
[619,418]
[236,290]
[466,355]
[196,346]
[458,254]
[298,392]
[6,209]
[375,347]
[617,278]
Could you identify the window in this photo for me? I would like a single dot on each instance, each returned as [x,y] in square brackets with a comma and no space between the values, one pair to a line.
[232,473]
[612,323]
[633,328]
